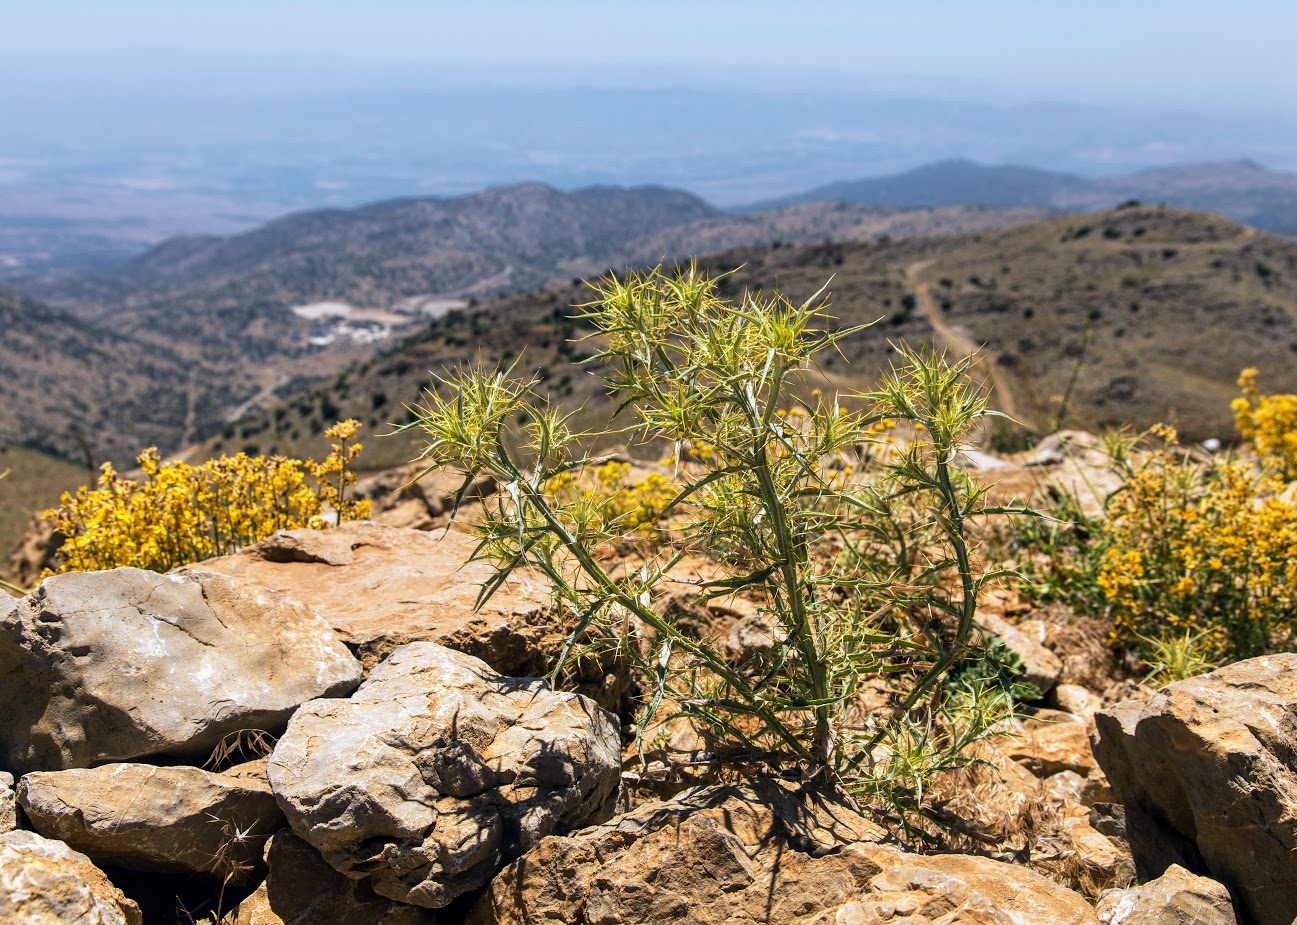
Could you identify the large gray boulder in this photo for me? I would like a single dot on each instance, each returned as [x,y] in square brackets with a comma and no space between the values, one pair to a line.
[760,853]
[44,882]
[301,889]
[110,666]
[437,770]
[170,820]
[1213,762]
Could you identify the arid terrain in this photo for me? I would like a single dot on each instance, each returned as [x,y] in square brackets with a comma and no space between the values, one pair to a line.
[1155,310]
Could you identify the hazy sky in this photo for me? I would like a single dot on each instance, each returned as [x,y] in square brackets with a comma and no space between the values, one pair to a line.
[1192,54]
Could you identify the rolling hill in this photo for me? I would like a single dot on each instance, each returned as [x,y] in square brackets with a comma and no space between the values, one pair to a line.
[1160,307]
[501,240]
[213,325]
[1241,190]
[71,388]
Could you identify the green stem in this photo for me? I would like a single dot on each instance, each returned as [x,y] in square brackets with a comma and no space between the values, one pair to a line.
[955,533]
[510,472]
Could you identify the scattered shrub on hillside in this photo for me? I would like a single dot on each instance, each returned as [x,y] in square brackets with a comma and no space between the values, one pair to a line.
[870,580]
[181,513]
[1269,422]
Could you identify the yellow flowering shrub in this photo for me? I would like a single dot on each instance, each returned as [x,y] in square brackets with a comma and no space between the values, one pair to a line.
[1269,422]
[180,513]
[629,507]
[1203,549]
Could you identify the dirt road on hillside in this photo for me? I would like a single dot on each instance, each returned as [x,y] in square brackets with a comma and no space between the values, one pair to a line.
[958,344]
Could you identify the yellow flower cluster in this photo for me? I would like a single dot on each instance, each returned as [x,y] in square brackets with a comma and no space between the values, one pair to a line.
[630,507]
[1269,422]
[181,513]
[1202,549]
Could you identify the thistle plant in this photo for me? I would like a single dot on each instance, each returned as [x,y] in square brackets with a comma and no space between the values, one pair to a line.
[856,550]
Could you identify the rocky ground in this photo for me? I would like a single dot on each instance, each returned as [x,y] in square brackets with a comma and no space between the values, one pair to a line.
[321,729]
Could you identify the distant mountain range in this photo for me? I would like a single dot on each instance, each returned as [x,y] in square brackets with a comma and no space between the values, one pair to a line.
[503,239]
[1241,190]
[198,340]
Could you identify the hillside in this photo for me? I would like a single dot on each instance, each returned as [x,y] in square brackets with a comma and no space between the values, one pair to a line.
[1241,190]
[1175,304]
[66,384]
[34,481]
[952,182]
[249,317]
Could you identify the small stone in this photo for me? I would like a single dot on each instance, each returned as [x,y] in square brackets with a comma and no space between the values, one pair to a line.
[1175,898]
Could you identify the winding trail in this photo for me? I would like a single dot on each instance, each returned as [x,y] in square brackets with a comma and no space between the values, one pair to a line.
[959,344]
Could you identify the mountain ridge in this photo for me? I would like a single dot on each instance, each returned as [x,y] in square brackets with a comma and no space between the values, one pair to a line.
[1240,189]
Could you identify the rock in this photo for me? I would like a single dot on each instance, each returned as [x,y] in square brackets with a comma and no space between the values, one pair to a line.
[170,819]
[35,552]
[381,587]
[1212,760]
[44,882]
[437,770]
[115,665]
[409,514]
[254,771]
[1105,862]
[1065,788]
[1176,898]
[1042,666]
[1076,464]
[1049,742]
[438,488]
[8,803]
[1077,700]
[750,635]
[433,496]
[955,889]
[763,852]
[301,889]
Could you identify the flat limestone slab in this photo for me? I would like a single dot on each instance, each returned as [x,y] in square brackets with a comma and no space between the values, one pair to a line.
[380,587]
